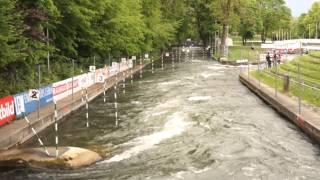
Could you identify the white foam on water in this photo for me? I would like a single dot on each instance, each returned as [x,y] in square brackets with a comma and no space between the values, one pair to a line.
[199,171]
[169,83]
[192,170]
[189,78]
[206,75]
[173,127]
[159,113]
[199,98]
[216,67]
[135,102]
[197,61]
[168,104]
[207,126]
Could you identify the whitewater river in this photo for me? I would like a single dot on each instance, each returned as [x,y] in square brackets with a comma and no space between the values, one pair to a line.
[195,122]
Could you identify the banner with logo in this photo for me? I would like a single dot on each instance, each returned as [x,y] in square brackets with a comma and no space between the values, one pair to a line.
[99,76]
[130,63]
[123,65]
[114,69]
[25,104]
[106,72]
[6,109]
[63,88]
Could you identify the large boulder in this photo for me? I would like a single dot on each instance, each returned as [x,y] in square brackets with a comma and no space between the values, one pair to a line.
[69,158]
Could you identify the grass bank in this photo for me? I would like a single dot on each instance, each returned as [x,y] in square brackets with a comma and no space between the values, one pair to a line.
[309,74]
[244,52]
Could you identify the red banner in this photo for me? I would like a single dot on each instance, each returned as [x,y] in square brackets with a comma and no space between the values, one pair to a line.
[6,109]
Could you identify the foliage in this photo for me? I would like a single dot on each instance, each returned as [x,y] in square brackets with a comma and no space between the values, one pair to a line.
[92,31]
[308,25]
[77,29]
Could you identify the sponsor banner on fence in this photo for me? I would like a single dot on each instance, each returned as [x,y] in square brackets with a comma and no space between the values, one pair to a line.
[25,104]
[123,65]
[63,88]
[6,109]
[130,63]
[106,72]
[99,75]
[114,69]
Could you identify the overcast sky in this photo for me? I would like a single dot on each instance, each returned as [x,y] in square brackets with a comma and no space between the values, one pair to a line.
[300,6]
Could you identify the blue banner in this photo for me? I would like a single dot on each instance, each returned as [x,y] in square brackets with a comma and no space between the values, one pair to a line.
[25,105]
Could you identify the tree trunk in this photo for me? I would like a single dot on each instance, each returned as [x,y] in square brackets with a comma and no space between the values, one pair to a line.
[224,37]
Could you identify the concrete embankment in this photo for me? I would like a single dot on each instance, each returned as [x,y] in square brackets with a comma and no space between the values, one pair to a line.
[308,120]
[19,132]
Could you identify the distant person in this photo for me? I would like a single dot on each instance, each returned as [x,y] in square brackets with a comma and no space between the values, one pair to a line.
[274,58]
[268,58]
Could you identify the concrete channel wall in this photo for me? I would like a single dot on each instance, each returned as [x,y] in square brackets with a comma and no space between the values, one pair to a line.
[308,121]
[19,132]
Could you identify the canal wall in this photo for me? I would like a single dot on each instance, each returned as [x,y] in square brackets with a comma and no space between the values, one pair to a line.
[308,121]
[19,132]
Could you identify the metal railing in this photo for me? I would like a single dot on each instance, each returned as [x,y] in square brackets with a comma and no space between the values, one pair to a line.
[295,85]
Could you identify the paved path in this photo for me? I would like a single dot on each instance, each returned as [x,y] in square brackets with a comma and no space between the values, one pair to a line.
[308,120]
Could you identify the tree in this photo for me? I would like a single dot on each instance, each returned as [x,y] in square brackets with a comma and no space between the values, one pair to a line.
[12,54]
[226,10]
[274,16]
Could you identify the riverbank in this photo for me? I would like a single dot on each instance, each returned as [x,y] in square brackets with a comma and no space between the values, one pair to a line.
[307,120]
[19,132]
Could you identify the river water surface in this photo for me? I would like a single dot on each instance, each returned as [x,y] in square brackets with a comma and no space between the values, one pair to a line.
[194,122]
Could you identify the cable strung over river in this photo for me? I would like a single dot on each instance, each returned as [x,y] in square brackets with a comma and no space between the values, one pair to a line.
[196,122]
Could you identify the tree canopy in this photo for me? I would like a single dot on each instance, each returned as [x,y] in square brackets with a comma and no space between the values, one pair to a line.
[84,29]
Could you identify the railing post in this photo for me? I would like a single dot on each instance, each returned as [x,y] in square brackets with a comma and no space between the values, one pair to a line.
[276,80]
[299,97]
[286,84]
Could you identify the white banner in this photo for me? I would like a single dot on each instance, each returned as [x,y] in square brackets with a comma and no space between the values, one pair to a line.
[63,88]
[130,63]
[99,76]
[114,69]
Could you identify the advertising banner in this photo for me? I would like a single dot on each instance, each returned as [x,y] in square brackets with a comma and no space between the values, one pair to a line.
[114,69]
[130,63]
[85,81]
[123,65]
[25,104]
[63,88]
[6,109]
[99,75]
[106,72]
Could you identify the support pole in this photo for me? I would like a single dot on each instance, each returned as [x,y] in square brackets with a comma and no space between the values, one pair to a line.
[172,57]
[56,127]
[300,88]
[39,84]
[48,55]
[104,91]
[140,66]
[131,75]
[124,82]
[87,108]
[152,64]
[276,79]
[115,102]
[38,137]
[162,61]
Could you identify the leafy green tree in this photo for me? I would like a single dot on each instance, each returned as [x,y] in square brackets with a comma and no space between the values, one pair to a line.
[13,46]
